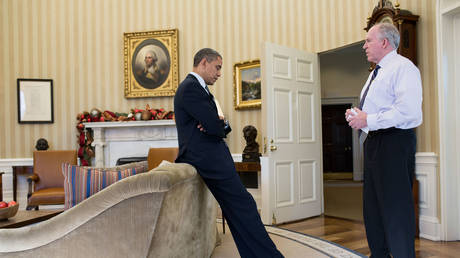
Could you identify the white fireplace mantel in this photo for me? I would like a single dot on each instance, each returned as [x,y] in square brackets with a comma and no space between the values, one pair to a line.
[114,140]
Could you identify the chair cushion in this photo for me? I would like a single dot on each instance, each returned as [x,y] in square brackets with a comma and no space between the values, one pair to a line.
[82,182]
[48,196]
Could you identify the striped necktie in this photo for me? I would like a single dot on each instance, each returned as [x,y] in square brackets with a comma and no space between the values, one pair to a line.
[374,74]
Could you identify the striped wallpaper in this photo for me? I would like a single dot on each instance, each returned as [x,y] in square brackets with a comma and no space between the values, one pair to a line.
[79,44]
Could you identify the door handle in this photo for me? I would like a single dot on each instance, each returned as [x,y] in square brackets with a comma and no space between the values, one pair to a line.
[273,147]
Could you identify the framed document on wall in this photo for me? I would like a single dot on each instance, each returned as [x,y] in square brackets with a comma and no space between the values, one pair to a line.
[35,101]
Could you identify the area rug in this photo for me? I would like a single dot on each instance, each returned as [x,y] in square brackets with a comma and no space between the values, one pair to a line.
[290,244]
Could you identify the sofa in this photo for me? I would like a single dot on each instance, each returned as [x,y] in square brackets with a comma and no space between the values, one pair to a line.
[166,212]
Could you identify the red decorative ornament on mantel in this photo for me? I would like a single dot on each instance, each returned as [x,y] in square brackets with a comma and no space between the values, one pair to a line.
[85,136]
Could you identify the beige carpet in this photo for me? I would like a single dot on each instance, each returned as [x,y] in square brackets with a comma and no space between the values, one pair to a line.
[290,244]
[343,199]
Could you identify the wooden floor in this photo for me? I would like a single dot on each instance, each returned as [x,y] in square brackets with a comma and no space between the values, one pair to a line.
[352,235]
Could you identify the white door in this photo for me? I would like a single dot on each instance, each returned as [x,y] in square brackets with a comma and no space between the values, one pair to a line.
[291,119]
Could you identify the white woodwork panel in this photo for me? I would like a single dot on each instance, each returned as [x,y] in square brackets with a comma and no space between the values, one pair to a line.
[304,71]
[307,181]
[283,126]
[426,165]
[282,67]
[284,175]
[305,115]
[423,198]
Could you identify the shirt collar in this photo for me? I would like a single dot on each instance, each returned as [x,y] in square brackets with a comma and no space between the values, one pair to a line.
[200,80]
[387,58]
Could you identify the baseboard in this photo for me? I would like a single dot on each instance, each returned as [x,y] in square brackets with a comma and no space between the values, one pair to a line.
[430,228]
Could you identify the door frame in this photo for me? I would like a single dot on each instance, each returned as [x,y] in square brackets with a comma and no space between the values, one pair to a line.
[448,59]
[358,173]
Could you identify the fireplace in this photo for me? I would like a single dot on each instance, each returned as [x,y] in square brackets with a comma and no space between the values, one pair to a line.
[115,140]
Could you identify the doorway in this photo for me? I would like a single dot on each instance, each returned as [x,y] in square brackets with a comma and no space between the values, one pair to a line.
[343,73]
[337,143]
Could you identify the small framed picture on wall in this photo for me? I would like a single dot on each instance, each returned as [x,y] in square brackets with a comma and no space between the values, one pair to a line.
[35,101]
[247,85]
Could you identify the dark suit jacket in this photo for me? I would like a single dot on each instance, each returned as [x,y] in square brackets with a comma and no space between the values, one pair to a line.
[206,151]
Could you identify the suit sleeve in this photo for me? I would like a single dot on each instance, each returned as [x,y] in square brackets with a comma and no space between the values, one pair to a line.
[200,108]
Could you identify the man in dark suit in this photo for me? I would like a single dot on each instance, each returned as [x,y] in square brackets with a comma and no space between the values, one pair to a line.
[201,132]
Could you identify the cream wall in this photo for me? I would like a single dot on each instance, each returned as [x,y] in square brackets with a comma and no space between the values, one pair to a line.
[79,44]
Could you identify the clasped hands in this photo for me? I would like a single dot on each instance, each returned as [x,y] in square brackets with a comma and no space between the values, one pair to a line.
[199,126]
[356,118]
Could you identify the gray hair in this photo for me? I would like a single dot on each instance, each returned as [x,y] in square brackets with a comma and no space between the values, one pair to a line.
[390,32]
[153,54]
[208,53]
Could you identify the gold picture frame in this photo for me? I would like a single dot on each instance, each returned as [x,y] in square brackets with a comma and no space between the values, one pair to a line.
[151,63]
[247,85]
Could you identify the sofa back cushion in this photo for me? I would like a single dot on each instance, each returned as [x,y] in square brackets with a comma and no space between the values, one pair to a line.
[81,182]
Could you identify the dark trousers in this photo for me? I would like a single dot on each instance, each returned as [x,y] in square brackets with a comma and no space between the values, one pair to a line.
[389,168]
[240,211]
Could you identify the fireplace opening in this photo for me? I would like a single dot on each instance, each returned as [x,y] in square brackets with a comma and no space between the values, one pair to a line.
[126,160]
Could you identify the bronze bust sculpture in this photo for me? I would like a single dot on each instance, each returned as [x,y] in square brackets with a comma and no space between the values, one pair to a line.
[42,144]
[251,151]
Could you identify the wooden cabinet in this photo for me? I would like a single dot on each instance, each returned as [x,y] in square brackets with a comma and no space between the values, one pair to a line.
[404,20]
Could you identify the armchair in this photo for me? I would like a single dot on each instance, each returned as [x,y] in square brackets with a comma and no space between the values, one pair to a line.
[46,185]
[157,155]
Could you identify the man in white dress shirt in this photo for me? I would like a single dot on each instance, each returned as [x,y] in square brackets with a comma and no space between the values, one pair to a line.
[390,109]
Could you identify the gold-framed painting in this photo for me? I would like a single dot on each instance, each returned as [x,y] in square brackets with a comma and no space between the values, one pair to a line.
[151,63]
[247,85]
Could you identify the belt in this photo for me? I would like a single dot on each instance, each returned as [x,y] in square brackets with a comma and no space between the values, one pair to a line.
[384,131]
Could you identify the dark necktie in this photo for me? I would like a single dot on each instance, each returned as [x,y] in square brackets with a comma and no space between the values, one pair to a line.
[209,92]
[374,74]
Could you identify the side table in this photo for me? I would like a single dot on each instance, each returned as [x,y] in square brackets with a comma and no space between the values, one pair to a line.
[24,218]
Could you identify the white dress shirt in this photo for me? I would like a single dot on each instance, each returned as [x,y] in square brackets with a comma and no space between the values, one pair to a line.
[200,80]
[394,98]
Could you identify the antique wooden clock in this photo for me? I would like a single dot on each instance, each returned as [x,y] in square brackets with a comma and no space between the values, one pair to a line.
[404,20]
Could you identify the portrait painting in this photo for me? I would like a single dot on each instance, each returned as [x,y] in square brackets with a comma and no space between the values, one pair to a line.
[247,85]
[151,63]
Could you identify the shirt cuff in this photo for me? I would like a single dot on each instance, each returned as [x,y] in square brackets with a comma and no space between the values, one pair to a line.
[372,122]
